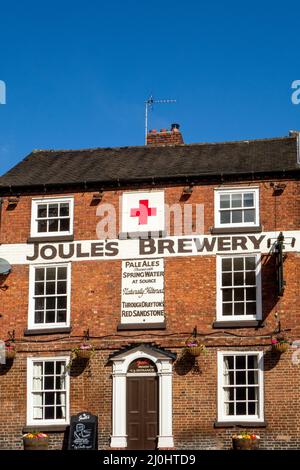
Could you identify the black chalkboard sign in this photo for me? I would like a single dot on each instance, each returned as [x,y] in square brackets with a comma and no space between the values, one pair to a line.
[83,432]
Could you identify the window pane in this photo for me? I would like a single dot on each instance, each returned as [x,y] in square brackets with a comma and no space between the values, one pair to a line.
[49,367]
[39,274]
[252,408]
[49,383]
[252,393]
[42,210]
[64,209]
[237,217]
[225,217]
[224,201]
[51,274]
[252,377]
[238,278]
[39,288]
[62,273]
[227,309]
[250,308]
[238,264]
[62,287]
[39,304]
[229,409]
[241,408]
[241,393]
[61,302]
[226,279]
[236,200]
[50,288]
[49,412]
[252,362]
[50,303]
[60,367]
[229,377]
[53,210]
[53,225]
[42,226]
[39,317]
[226,264]
[50,316]
[229,362]
[227,295]
[250,278]
[251,293]
[64,225]
[239,308]
[61,316]
[229,394]
[49,398]
[240,362]
[249,215]
[248,200]
[250,263]
[239,294]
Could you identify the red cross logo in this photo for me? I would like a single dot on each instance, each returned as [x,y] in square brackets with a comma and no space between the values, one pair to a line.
[143,211]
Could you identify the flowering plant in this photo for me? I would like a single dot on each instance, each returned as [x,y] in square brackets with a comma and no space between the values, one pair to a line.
[35,435]
[280,338]
[245,435]
[10,346]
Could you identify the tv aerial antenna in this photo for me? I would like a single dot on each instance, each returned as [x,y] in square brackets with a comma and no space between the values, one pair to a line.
[148,109]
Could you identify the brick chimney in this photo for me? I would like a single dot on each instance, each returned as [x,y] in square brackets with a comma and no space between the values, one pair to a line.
[165,137]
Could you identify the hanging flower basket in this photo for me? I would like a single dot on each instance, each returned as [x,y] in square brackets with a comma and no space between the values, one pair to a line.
[280,347]
[36,441]
[84,351]
[10,351]
[194,347]
[245,441]
[280,343]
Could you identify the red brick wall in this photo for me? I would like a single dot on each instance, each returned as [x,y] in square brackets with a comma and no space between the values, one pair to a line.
[190,297]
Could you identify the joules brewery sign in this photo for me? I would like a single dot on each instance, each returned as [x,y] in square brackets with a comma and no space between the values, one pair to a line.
[85,250]
[142,294]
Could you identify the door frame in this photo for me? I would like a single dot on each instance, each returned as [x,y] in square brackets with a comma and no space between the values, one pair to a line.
[163,364]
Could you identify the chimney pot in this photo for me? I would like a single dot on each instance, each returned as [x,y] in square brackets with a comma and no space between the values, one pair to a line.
[175,127]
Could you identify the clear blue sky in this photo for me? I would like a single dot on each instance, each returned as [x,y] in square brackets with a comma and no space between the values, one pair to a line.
[77,73]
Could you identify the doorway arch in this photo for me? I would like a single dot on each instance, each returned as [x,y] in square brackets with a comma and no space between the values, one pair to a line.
[163,363]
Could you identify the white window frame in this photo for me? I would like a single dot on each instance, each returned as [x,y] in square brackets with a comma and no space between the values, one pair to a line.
[31,304]
[45,422]
[217,194]
[246,418]
[53,200]
[258,315]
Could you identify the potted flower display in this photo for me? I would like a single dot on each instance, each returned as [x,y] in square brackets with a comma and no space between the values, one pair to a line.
[35,441]
[245,441]
[10,351]
[84,351]
[194,347]
[280,343]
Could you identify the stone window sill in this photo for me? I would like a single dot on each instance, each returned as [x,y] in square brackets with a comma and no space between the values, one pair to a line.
[46,428]
[233,230]
[53,239]
[240,424]
[47,331]
[238,324]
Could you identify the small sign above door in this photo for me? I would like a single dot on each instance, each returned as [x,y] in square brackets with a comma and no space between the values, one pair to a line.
[142,365]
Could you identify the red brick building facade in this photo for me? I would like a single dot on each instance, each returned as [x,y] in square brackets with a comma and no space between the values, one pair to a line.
[65,287]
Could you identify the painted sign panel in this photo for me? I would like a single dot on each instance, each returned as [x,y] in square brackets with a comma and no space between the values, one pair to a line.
[142,295]
[197,245]
[143,211]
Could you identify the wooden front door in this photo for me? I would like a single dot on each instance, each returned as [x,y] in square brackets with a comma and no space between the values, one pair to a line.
[142,412]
